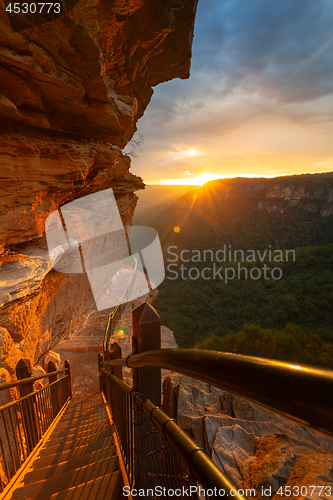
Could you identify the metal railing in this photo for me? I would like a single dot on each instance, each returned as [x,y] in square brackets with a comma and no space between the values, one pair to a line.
[155,451]
[302,393]
[158,456]
[115,315]
[24,421]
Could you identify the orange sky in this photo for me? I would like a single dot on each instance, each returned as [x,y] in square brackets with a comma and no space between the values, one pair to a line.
[259,104]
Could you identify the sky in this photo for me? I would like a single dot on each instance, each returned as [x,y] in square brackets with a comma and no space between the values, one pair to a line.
[259,101]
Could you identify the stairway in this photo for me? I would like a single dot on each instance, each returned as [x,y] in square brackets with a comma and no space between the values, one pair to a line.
[79,460]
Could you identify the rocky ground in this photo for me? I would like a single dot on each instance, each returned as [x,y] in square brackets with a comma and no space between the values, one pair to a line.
[255,447]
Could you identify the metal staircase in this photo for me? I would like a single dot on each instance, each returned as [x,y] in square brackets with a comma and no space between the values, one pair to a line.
[55,447]
[78,460]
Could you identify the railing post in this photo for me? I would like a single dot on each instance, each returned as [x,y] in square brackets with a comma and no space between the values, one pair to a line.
[147,336]
[117,400]
[69,380]
[100,374]
[23,370]
[54,389]
[116,353]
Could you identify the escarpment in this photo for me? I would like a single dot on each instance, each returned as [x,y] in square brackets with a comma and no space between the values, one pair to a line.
[310,192]
[69,103]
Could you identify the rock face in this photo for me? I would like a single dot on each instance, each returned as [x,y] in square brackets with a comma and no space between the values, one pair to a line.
[145,42]
[313,193]
[82,346]
[253,446]
[69,103]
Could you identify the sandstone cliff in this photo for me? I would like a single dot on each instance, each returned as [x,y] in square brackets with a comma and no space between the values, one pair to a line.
[311,192]
[69,103]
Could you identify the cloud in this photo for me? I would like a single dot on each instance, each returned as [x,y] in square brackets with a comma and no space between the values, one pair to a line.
[264,45]
[254,61]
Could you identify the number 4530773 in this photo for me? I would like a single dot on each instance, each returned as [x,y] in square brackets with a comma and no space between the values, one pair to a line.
[33,8]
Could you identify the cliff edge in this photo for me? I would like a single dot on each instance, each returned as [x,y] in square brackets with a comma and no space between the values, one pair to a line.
[69,103]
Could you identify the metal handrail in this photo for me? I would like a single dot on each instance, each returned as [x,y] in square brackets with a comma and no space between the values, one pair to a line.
[25,420]
[23,381]
[120,301]
[31,394]
[201,466]
[302,393]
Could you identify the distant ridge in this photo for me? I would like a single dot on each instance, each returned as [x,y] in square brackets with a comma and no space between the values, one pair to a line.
[311,192]
[240,217]
[153,197]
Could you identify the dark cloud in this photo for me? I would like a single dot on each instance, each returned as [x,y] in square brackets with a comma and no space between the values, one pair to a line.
[280,51]
[264,60]
[269,43]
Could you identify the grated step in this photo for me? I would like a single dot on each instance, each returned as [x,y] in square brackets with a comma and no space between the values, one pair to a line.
[64,446]
[82,427]
[50,459]
[77,434]
[68,419]
[67,480]
[102,488]
[40,473]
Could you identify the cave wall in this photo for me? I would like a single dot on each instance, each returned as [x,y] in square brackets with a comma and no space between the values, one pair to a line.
[69,103]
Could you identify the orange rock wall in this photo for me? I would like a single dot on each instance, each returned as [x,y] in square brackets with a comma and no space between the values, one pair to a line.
[69,104]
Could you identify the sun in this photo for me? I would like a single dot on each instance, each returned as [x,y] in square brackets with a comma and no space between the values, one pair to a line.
[199,180]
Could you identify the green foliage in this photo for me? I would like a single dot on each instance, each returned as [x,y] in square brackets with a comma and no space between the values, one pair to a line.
[228,212]
[304,296]
[242,225]
[289,344]
[210,218]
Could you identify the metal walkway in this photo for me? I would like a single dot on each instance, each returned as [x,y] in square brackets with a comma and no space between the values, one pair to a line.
[78,460]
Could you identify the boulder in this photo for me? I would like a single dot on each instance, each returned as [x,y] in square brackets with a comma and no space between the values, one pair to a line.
[255,447]
[9,355]
[38,371]
[54,358]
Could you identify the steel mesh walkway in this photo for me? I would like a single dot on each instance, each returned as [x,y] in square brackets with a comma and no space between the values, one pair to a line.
[79,460]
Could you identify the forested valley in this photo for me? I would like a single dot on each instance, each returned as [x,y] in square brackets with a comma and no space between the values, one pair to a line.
[217,229]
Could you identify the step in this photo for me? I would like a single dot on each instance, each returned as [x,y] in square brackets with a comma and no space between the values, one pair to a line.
[80,423]
[74,407]
[85,405]
[52,459]
[80,426]
[86,401]
[83,416]
[40,473]
[50,449]
[67,480]
[78,433]
[103,488]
